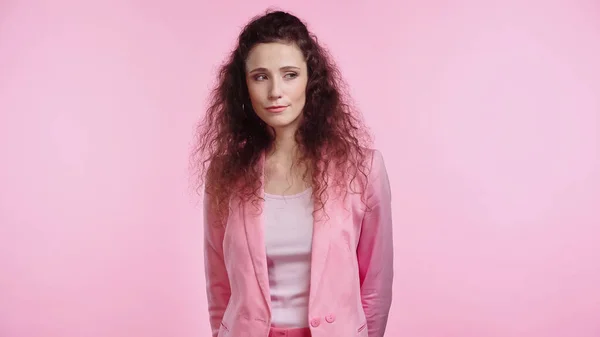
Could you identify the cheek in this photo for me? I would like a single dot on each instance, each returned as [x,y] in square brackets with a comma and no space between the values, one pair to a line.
[254,92]
[298,93]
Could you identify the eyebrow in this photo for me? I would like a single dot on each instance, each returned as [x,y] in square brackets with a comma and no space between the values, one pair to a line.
[266,70]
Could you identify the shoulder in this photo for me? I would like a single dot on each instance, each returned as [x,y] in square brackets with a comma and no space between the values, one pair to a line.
[378,185]
[215,167]
[374,161]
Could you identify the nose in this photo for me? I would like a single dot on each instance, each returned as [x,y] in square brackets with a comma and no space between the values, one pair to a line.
[275,90]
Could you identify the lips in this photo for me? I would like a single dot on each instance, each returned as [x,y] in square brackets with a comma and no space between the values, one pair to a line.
[275,109]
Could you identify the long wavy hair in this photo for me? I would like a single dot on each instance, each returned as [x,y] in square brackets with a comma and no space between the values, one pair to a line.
[231,138]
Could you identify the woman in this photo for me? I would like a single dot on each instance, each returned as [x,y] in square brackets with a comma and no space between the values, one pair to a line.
[298,229]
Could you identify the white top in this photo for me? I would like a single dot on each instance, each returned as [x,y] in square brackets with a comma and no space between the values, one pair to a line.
[288,240]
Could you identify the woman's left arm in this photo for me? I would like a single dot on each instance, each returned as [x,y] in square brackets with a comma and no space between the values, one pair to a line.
[375,250]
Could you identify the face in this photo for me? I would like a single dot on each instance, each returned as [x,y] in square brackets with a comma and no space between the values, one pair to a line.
[276,75]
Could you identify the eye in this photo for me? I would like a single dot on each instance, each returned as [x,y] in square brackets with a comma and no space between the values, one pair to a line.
[291,75]
[260,77]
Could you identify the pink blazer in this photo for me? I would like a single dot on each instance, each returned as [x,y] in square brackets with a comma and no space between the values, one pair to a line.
[351,268]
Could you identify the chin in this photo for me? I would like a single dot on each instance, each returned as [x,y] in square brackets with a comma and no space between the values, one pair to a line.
[281,121]
[279,125]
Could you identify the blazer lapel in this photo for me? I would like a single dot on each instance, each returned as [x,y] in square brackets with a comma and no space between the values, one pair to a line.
[320,250]
[254,226]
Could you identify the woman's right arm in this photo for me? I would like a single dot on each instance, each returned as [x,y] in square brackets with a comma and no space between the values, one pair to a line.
[218,289]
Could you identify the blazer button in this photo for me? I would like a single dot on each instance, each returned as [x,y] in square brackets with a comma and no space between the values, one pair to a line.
[315,322]
[330,318]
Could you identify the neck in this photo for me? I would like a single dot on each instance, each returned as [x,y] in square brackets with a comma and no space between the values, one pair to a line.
[284,154]
[285,144]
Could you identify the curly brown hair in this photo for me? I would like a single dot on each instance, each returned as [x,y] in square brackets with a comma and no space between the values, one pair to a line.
[231,138]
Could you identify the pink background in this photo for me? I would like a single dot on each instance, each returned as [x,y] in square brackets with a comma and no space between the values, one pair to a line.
[488,115]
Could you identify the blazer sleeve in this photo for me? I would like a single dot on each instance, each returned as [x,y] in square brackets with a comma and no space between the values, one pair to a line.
[375,250]
[218,289]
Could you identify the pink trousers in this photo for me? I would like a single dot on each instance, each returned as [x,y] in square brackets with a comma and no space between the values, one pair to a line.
[296,332]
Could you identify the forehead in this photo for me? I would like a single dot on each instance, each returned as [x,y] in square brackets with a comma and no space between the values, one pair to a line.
[274,55]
